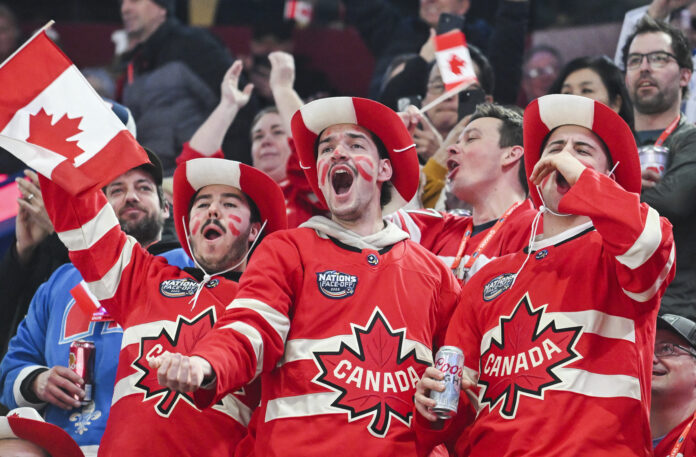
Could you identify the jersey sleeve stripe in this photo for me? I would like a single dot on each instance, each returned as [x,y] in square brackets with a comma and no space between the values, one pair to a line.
[235,408]
[274,318]
[16,387]
[646,244]
[105,287]
[650,292]
[302,406]
[91,232]
[254,337]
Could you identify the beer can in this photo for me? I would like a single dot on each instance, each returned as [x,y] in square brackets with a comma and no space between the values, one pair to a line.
[449,360]
[82,363]
[653,158]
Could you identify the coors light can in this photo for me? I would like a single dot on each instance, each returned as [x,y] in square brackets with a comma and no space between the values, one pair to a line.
[82,363]
[449,360]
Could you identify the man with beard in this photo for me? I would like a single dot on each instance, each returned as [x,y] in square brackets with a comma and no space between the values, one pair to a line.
[35,370]
[658,66]
[339,316]
[220,208]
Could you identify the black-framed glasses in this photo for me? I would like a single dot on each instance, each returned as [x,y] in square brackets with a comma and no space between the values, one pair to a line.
[656,59]
[671,350]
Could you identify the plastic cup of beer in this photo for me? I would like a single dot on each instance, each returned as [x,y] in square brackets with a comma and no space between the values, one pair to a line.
[653,158]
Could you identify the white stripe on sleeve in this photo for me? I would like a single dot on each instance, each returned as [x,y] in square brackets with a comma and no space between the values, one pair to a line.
[105,287]
[650,292]
[646,244]
[91,232]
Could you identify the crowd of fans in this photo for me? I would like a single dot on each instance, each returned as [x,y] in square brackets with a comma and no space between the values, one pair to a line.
[291,259]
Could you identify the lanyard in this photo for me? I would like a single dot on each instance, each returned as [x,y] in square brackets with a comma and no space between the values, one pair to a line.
[482,245]
[668,131]
[680,442]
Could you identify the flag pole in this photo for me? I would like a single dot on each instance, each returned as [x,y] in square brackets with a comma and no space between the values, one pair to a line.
[444,96]
[42,29]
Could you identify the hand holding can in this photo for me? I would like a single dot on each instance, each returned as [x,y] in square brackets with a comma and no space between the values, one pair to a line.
[450,361]
[653,158]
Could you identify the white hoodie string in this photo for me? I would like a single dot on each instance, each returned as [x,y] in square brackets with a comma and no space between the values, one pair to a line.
[535,225]
[207,277]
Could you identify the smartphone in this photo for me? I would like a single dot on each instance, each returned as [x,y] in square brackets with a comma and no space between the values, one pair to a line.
[405,102]
[468,99]
[448,22]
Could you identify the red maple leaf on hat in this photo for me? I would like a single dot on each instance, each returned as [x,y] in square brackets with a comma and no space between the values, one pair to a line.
[54,137]
[376,380]
[456,64]
[183,340]
[526,359]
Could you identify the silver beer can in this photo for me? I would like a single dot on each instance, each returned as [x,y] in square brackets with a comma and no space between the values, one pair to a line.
[653,158]
[449,360]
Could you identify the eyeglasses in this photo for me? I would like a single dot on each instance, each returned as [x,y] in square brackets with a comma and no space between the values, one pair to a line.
[670,350]
[534,73]
[436,87]
[657,59]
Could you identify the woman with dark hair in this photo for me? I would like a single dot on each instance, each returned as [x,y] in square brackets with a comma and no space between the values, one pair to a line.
[596,78]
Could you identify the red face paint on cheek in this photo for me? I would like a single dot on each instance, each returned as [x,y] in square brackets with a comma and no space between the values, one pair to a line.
[365,167]
[234,218]
[323,168]
[196,226]
[233,229]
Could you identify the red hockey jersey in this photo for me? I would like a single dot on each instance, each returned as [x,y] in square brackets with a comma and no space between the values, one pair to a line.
[341,329]
[150,299]
[687,449]
[441,233]
[564,353]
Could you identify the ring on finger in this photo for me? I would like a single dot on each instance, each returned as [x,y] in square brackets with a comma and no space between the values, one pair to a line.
[29,197]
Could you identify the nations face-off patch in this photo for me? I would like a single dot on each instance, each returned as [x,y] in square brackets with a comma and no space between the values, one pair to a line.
[334,284]
[497,286]
[184,287]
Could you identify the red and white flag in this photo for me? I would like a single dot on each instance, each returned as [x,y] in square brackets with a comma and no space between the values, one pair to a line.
[54,121]
[453,60]
[299,10]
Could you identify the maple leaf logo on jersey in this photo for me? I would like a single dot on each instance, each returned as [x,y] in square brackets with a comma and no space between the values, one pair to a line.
[456,64]
[376,380]
[186,335]
[525,360]
[54,137]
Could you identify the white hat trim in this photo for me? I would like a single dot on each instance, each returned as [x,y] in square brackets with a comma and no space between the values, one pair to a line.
[555,111]
[325,112]
[208,171]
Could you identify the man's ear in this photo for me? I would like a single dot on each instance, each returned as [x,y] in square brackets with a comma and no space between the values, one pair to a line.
[684,77]
[384,171]
[165,209]
[254,231]
[511,155]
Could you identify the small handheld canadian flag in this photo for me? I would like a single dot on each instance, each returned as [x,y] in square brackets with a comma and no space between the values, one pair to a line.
[453,60]
[299,10]
[88,303]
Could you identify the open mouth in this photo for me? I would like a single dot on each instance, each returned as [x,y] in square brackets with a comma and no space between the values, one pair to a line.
[212,232]
[341,180]
[561,183]
[452,167]
[658,372]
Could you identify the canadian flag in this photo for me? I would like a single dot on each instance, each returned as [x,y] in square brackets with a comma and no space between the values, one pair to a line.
[300,11]
[453,60]
[54,121]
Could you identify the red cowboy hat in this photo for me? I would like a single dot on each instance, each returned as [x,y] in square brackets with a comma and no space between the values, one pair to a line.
[310,120]
[546,113]
[26,424]
[195,174]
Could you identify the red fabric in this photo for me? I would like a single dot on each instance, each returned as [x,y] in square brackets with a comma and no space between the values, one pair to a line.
[688,449]
[581,347]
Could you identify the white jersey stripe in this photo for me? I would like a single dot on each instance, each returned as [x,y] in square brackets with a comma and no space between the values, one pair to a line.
[592,321]
[646,244]
[17,391]
[254,338]
[133,335]
[597,385]
[276,319]
[91,232]
[302,406]
[304,349]
[650,292]
[106,287]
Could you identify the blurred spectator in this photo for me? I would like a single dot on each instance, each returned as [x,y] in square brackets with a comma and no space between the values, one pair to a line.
[24,433]
[680,17]
[171,79]
[10,33]
[597,78]
[272,150]
[101,80]
[387,33]
[539,70]
[35,372]
[673,404]
[659,66]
